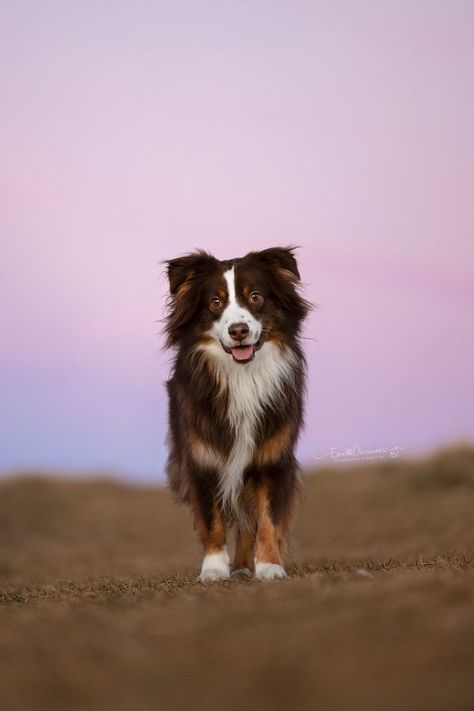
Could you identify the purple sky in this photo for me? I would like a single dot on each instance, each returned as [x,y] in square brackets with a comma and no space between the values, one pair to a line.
[132,132]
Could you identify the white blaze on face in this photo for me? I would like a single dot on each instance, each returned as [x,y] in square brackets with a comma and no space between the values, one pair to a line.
[235,313]
[250,387]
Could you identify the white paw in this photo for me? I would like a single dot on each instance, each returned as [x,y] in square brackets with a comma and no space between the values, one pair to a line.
[269,571]
[215,566]
[211,575]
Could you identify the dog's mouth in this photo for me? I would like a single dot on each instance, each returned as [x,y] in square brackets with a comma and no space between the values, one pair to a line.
[244,354]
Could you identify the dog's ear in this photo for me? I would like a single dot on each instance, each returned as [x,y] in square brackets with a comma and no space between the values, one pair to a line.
[281,264]
[186,270]
[185,276]
[282,261]
[181,269]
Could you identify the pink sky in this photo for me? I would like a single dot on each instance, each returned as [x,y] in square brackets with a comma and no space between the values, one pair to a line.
[132,132]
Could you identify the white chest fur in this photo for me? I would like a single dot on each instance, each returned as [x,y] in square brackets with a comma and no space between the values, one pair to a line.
[250,387]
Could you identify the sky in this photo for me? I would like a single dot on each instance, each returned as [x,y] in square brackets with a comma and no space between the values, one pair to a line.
[134,132]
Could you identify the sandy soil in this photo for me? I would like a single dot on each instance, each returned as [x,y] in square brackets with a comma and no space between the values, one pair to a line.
[100,609]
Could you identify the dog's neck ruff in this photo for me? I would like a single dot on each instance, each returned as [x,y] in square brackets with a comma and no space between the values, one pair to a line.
[249,388]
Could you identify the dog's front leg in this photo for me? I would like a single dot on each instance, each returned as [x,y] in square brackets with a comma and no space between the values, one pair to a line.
[243,562]
[268,559]
[210,524]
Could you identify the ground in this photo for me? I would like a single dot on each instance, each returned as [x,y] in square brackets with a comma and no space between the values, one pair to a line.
[100,608]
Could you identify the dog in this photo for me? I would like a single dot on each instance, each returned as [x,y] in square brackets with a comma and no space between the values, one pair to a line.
[236,396]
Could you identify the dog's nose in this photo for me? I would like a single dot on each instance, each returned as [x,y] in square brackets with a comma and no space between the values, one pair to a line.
[238,331]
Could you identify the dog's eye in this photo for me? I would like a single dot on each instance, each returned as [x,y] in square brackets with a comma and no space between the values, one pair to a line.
[216,303]
[256,298]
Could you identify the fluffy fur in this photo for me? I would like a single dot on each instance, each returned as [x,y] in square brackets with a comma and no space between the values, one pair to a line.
[236,402]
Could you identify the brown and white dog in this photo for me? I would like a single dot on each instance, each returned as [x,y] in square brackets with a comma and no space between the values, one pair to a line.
[236,403]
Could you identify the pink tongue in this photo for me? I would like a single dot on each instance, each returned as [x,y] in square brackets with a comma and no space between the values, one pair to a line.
[242,353]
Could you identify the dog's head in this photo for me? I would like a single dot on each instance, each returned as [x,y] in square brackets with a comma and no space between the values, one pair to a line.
[239,303]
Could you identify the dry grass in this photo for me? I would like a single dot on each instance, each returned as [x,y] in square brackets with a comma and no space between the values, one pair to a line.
[100,609]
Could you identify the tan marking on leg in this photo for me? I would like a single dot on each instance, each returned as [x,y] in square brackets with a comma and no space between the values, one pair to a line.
[267,548]
[284,527]
[272,449]
[213,539]
[244,550]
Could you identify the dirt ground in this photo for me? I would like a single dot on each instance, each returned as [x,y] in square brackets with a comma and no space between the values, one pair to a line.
[100,609]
